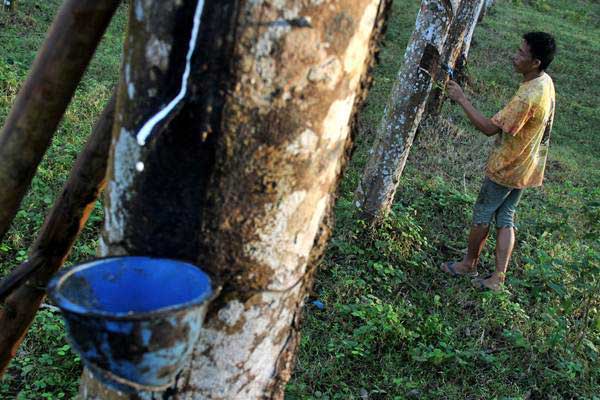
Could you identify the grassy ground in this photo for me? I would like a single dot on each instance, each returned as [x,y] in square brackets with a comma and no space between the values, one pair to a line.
[393,327]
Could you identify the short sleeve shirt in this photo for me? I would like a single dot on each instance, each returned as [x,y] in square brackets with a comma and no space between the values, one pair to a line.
[518,158]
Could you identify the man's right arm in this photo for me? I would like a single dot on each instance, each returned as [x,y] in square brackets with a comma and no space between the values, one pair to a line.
[482,123]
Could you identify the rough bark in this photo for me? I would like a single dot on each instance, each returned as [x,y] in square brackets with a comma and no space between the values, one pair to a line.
[461,62]
[487,4]
[64,222]
[462,25]
[404,109]
[250,194]
[43,99]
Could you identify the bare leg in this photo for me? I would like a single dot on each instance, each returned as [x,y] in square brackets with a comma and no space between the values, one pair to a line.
[477,238]
[505,242]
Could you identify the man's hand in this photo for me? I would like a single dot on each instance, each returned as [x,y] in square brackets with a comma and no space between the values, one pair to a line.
[455,92]
[482,123]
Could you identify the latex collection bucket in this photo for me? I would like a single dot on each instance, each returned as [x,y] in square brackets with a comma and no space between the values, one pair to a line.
[133,320]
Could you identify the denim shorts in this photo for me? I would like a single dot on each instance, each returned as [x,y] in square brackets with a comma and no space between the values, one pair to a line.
[496,201]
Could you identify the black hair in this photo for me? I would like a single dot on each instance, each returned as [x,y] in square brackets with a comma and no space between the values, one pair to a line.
[542,47]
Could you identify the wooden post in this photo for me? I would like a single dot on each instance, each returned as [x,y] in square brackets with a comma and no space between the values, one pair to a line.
[64,222]
[43,99]
[248,192]
[402,115]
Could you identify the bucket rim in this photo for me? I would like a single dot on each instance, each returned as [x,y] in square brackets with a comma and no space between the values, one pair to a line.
[68,306]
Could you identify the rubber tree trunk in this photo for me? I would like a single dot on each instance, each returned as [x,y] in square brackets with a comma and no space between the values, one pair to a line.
[461,62]
[240,176]
[43,99]
[403,111]
[64,222]
[462,25]
[10,5]
[487,4]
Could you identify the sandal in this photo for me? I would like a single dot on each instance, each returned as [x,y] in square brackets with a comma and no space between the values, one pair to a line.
[449,267]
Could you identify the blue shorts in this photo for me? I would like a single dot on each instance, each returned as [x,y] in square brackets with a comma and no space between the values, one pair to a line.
[496,201]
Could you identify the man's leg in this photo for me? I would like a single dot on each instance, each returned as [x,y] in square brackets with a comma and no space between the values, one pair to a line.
[505,240]
[486,205]
[477,238]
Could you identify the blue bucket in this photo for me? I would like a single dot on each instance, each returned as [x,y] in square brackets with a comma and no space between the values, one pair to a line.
[133,320]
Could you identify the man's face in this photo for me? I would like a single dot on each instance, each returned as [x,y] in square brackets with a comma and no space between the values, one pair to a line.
[523,60]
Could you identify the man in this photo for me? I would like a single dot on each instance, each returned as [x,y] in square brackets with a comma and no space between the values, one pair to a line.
[517,160]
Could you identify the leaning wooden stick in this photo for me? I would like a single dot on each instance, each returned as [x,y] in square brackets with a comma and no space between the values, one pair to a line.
[63,224]
[41,103]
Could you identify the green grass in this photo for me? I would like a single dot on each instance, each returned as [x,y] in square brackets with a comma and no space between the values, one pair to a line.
[394,327]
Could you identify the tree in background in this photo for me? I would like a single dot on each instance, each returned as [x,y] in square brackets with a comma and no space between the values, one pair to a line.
[402,115]
[461,29]
[461,62]
[487,4]
[9,5]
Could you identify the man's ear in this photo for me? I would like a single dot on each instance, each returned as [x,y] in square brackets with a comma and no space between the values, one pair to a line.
[537,63]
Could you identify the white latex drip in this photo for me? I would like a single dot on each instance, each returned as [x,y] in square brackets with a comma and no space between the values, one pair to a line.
[148,127]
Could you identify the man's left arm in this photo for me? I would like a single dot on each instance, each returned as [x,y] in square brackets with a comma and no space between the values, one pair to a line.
[482,123]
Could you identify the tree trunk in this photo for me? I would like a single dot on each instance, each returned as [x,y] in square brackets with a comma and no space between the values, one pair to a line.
[461,62]
[462,25]
[41,103]
[375,193]
[240,176]
[63,224]
[10,5]
[487,4]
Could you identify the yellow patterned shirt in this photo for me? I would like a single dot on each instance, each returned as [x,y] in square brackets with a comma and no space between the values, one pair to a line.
[518,157]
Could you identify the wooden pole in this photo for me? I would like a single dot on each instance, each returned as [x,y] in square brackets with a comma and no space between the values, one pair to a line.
[54,242]
[41,103]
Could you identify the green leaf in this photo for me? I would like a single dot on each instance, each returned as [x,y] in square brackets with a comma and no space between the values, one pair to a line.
[590,345]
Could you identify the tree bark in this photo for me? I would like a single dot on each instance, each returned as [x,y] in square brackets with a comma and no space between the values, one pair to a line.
[41,103]
[64,222]
[487,4]
[375,193]
[462,25]
[10,5]
[461,62]
[249,192]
